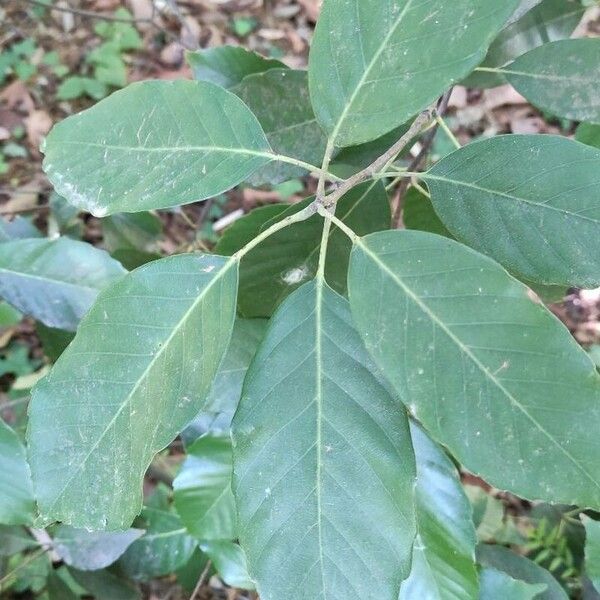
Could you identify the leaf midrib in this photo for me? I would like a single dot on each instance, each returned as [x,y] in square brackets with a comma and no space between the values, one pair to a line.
[467,351]
[225,268]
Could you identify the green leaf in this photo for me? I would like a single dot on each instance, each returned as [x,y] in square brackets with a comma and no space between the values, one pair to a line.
[418,214]
[588,133]
[482,366]
[18,228]
[561,77]
[323,465]
[203,497]
[54,341]
[443,564]
[528,201]
[137,231]
[287,259]
[496,584]
[280,100]
[58,589]
[520,568]
[364,54]
[227,66]
[90,551]
[173,316]
[55,281]
[230,562]
[104,585]
[14,540]
[155,144]
[226,389]
[592,550]
[165,547]
[549,21]
[16,494]
[9,316]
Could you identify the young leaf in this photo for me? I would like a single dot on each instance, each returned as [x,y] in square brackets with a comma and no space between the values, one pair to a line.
[227,66]
[482,366]
[230,562]
[280,100]
[136,373]
[90,551]
[203,497]
[16,494]
[226,389]
[443,564]
[322,459]
[549,21]
[164,548]
[496,584]
[363,54]
[55,281]
[528,201]
[561,77]
[155,144]
[268,274]
[592,551]
[520,568]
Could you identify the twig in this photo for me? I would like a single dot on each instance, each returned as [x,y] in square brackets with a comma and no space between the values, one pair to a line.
[200,583]
[419,123]
[427,142]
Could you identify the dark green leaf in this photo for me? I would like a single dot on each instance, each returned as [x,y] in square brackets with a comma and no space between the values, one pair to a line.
[286,260]
[443,564]
[280,100]
[14,540]
[9,316]
[16,494]
[520,568]
[561,77]
[155,144]
[496,584]
[481,365]
[365,54]
[104,585]
[588,133]
[107,407]
[418,214]
[90,551]
[529,201]
[54,341]
[55,281]
[549,21]
[138,231]
[323,468]
[228,65]
[164,548]
[592,550]
[203,497]
[58,589]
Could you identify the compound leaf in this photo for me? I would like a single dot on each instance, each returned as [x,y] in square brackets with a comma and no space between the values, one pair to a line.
[364,53]
[482,366]
[322,459]
[530,202]
[108,405]
[55,281]
[155,144]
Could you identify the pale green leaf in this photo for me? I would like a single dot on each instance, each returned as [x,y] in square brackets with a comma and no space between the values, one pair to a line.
[520,568]
[323,466]
[16,494]
[443,563]
[592,550]
[136,373]
[287,259]
[55,281]
[90,551]
[280,100]
[18,228]
[561,77]
[226,389]
[165,547]
[531,202]
[138,231]
[228,65]
[486,370]
[203,497]
[548,21]
[155,144]
[496,584]
[366,53]
[14,540]
[230,562]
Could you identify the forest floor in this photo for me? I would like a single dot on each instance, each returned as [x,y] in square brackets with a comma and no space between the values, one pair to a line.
[47,55]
